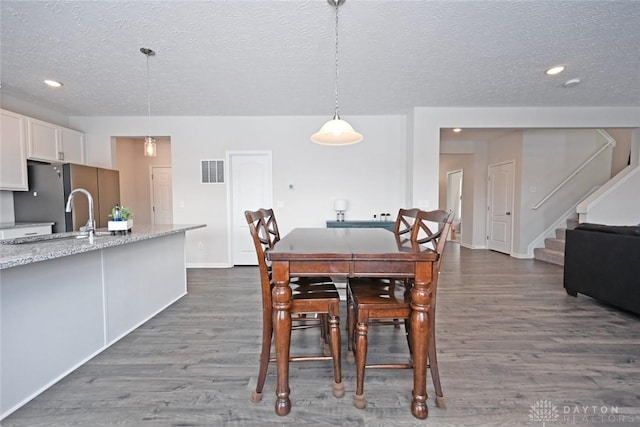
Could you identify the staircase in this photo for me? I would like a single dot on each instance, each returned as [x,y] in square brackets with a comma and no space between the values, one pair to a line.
[553,251]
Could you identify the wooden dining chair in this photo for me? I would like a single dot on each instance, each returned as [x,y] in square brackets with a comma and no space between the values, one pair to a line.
[375,300]
[403,227]
[311,296]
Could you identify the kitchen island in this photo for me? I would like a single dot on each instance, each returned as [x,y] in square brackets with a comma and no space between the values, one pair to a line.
[63,300]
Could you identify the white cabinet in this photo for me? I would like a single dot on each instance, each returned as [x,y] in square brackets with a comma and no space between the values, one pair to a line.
[13,159]
[54,143]
[34,230]
[72,146]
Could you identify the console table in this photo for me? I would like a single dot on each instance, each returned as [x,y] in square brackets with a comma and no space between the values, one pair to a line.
[388,225]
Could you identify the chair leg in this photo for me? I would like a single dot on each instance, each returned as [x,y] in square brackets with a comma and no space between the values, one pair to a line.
[407,333]
[334,334]
[265,354]
[359,400]
[433,367]
[351,326]
[324,334]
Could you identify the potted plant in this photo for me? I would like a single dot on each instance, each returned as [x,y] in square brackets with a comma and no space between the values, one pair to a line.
[121,219]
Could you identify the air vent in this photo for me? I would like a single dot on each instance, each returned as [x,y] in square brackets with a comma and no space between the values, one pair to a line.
[212,171]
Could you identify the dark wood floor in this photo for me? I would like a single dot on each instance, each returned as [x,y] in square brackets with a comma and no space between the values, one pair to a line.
[509,338]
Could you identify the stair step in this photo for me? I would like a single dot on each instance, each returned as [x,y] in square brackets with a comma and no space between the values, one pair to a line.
[572,223]
[555,244]
[561,233]
[549,255]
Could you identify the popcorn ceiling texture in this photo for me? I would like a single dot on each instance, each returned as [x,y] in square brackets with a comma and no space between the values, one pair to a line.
[274,57]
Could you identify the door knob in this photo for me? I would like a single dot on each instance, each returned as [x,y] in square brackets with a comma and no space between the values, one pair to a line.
[508,213]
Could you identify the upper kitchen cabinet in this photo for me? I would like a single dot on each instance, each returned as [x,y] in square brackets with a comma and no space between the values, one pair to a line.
[54,143]
[73,143]
[13,157]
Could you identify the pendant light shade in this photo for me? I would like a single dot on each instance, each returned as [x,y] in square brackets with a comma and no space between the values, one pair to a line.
[336,131]
[150,147]
[149,142]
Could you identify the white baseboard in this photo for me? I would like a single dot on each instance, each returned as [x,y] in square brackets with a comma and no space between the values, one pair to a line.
[208,265]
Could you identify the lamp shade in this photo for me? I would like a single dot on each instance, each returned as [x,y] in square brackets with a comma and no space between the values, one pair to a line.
[336,132]
[340,205]
[150,147]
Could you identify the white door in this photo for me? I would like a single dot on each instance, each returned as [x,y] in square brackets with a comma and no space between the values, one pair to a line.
[250,188]
[500,209]
[162,195]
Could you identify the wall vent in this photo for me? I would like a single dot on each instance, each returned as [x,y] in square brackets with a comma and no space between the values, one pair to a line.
[212,171]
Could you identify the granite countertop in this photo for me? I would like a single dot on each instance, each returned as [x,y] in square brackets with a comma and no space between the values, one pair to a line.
[25,250]
[12,225]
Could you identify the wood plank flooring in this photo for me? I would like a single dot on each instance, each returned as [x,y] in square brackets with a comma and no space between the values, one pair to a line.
[508,338]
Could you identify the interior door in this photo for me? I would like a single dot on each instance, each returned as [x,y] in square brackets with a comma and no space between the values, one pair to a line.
[250,189]
[162,195]
[500,207]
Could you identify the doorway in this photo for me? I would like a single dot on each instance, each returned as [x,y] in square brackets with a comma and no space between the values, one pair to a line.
[454,201]
[136,187]
[250,188]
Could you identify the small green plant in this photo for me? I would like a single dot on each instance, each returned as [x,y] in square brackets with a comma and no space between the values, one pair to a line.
[125,213]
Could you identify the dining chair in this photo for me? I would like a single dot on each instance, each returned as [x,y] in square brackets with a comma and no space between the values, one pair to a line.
[403,227]
[375,300]
[310,297]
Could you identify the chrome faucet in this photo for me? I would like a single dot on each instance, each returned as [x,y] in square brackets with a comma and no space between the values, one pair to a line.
[90,228]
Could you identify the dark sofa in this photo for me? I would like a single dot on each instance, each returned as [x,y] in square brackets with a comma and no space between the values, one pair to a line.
[603,262]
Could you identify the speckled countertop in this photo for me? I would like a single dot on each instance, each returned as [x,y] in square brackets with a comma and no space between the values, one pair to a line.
[11,225]
[25,250]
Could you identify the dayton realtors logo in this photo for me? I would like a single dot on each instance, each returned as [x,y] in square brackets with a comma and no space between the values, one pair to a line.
[546,412]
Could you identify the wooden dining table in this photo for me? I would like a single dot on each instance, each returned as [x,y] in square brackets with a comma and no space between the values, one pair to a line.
[351,252]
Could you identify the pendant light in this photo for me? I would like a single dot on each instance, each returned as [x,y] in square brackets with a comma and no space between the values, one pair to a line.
[150,149]
[336,131]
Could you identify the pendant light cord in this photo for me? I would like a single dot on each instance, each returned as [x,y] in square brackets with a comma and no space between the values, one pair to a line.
[148,100]
[337,115]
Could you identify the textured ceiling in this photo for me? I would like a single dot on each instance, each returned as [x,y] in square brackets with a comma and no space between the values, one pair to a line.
[268,57]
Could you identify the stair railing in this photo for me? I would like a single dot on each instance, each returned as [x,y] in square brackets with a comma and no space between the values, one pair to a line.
[610,142]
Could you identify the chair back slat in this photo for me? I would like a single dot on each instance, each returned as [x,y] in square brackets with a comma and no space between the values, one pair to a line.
[264,232]
[405,220]
[422,232]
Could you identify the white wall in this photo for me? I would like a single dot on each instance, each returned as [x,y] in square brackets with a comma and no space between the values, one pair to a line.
[615,208]
[371,175]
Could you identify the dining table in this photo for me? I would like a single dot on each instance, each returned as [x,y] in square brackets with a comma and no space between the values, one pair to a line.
[351,252]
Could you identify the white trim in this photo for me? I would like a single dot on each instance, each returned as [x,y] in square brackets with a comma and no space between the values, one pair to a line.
[596,196]
[559,223]
[209,265]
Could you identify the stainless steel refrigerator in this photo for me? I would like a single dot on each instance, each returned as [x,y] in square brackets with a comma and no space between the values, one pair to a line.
[49,188]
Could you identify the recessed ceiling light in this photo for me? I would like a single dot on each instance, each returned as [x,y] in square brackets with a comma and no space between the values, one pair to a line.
[554,70]
[457,130]
[571,82]
[52,83]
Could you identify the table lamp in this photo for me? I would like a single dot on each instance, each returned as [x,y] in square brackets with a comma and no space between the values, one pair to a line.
[340,205]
